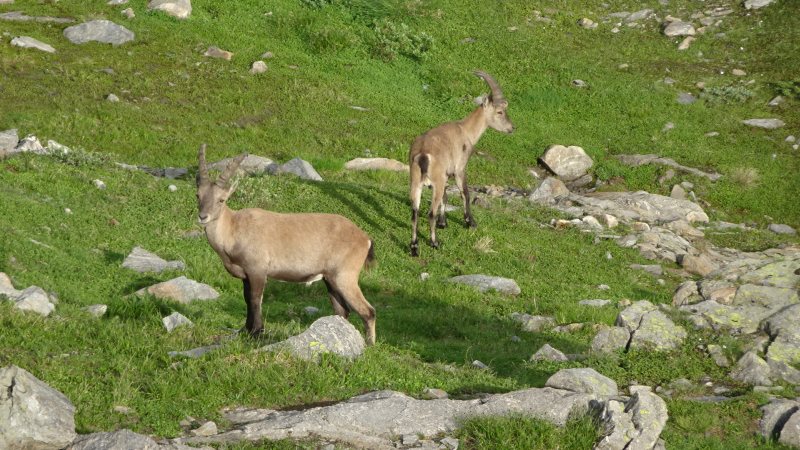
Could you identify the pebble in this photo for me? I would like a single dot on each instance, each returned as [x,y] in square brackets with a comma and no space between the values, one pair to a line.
[99,184]
[172,188]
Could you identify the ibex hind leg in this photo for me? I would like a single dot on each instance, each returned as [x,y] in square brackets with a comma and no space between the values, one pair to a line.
[347,287]
[337,301]
[436,203]
[441,219]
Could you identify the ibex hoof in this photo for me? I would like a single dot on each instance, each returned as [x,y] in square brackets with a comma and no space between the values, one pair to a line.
[435,244]
[256,333]
[470,222]
[441,225]
[414,249]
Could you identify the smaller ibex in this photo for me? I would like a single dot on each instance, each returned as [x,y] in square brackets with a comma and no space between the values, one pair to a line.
[255,244]
[444,151]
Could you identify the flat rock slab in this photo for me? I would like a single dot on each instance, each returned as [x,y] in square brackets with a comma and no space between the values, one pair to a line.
[142,261]
[104,31]
[195,352]
[534,324]
[678,28]
[767,124]
[181,289]
[32,414]
[16,16]
[29,42]
[611,339]
[640,206]
[377,419]
[639,160]
[376,164]
[115,440]
[180,9]
[485,283]
[568,163]
[330,334]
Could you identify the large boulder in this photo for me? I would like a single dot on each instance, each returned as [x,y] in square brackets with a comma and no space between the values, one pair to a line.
[783,327]
[33,415]
[611,339]
[568,163]
[299,167]
[114,440]
[635,423]
[752,370]
[104,31]
[180,9]
[330,334]
[656,331]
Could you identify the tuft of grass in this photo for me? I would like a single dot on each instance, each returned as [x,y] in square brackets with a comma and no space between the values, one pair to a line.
[525,433]
[484,245]
[727,94]
[746,177]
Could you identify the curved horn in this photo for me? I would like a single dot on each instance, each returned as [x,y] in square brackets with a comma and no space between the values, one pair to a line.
[497,94]
[231,169]
[202,169]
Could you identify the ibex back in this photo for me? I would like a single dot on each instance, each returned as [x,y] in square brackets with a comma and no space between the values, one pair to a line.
[255,244]
[444,151]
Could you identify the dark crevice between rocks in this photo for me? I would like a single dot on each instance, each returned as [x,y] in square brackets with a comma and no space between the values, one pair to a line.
[781,422]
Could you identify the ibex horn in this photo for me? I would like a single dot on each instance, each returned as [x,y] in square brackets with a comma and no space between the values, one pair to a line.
[231,169]
[202,169]
[497,94]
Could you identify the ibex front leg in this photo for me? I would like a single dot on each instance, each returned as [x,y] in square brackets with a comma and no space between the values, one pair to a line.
[461,180]
[253,288]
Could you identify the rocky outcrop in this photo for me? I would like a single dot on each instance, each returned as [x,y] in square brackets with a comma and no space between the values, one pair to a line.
[635,423]
[650,328]
[140,260]
[32,414]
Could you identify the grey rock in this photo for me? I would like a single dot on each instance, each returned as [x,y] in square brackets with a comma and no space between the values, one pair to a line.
[29,42]
[678,28]
[180,9]
[216,52]
[299,167]
[434,394]
[718,355]
[752,370]
[32,414]
[128,13]
[686,98]
[631,317]
[181,289]
[112,98]
[195,352]
[140,260]
[585,380]
[330,334]
[376,419]
[534,324]
[678,192]
[8,141]
[31,144]
[34,299]
[782,328]
[774,416]
[638,160]
[697,264]
[485,283]
[782,229]
[686,43]
[311,310]
[639,206]
[207,429]
[548,353]
[579,83]
[251,165]
[376,164]
[450,443]
[589,24]
[776,101]
[611,339]
[780,371]
[116,2]
[649,416]
[103,31]
[175,320]
[98,310]
[258,67]
[656,331]
[568,163]
[768,124]
[479,365]
[115,440]
[16,16]
[757,4]
[652,269]
[241,416]
[790,434]
[549,190]
[597,302]
[639,15]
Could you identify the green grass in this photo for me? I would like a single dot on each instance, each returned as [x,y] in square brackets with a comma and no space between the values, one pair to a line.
[430,331]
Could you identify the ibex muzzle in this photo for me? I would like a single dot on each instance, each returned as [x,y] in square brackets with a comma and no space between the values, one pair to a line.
[444,151]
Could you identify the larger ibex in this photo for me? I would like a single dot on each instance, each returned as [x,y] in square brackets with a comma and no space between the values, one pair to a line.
[255,245]
[444,151]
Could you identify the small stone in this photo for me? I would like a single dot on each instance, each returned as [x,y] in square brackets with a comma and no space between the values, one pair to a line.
[207,429]
[603,287]
[96,310]
[579,83]
[112,98]
[175,320]
[258,67]
[752,370]
[424,276]
[712,134]
[128,13]
[776,101]
[548,353]
[738,72]
[589,24]
[216,52]
[409,440]
[103,31]
[686,98]
[699,265]
[782,229]
[172,188]
[29,42]
[122,410]
[667,127]
[718,355]
[768,124]
[479,365]
[623,66]
[67,211]
[790,138]
[116,2]
[686,42]
[311,310]
[584,380]
[450,443]
[434,394]
[678,28]
[180,9]
[267,55]
[596,303]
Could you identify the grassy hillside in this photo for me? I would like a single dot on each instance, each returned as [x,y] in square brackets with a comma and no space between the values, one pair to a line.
[330,56]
